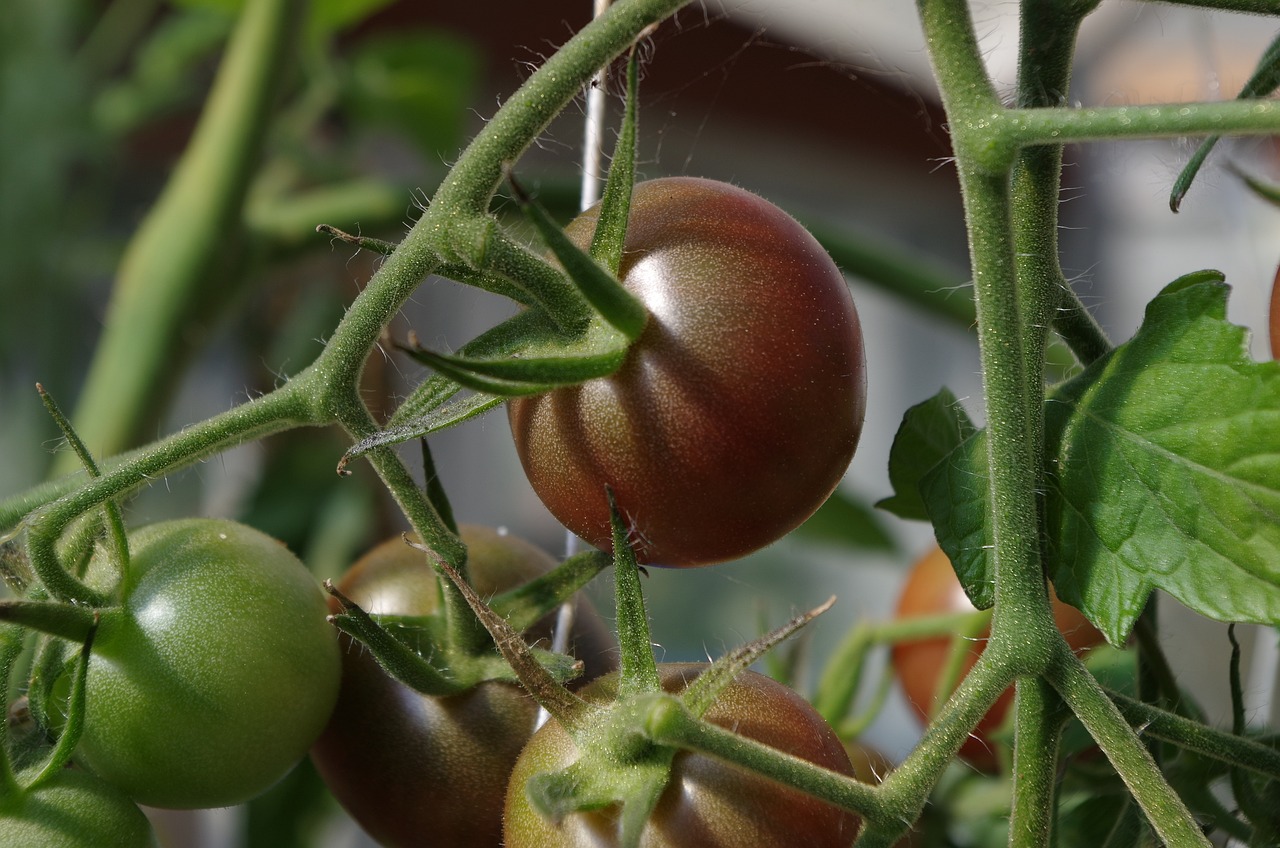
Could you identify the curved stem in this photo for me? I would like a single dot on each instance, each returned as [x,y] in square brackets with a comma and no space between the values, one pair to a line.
[285,408]
[173,265]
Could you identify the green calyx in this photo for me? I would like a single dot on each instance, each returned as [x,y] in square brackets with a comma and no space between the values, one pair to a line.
[578,323]
[426,654]
[620,761]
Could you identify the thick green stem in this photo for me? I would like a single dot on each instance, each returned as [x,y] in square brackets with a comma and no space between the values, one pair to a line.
[1038,731]
[1022,628]
[905,789]
[1168,815]
[283,409]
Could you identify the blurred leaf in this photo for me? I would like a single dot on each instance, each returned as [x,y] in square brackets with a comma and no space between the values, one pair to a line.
[847,522]
[419,83]
[329,16]
[162,75]
[929,432]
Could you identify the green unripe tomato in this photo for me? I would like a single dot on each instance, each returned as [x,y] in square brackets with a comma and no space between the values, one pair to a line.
[216,673]
[72,809]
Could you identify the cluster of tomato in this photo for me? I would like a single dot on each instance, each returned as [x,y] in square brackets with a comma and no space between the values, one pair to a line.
[214,670]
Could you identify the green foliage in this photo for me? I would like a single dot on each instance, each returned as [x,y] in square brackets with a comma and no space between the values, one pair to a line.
[1153,483]
[419,84]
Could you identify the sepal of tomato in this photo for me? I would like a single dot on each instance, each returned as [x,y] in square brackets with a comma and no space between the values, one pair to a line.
[705,802]
[611,762]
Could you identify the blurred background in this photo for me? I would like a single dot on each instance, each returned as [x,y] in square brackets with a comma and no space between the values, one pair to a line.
[824,107]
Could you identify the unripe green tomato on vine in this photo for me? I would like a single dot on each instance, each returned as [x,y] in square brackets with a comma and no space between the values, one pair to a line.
[216,673]
[736,412]
[72,809]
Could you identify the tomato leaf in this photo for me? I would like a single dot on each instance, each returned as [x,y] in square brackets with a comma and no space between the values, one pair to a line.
[929,432]
[955,492]
[1165,470]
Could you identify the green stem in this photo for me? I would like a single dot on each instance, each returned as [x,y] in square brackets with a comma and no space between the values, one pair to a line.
[1019,128]
[905,789]
[1080,330]
[282,409]
[1191,735]
[1166,812]
[1038,731]
[170,267]
[1022,626]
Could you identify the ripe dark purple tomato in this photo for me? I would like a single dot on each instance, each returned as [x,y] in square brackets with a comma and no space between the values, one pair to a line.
[413,769]
[707,803]
[737,411]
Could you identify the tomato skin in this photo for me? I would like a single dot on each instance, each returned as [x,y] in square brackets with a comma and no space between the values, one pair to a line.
[1275,317]
[736,412]
[707,804]
[932,588]
[72,809]
[218,672]
[409,767]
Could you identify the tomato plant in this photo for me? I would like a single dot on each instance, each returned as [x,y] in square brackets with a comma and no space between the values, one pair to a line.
[72,809]
[707,802]
[702,365]
[405,764]
[737,411]
[215,673]
[932,589]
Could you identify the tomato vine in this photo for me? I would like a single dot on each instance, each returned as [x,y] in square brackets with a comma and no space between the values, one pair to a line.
[1023,521]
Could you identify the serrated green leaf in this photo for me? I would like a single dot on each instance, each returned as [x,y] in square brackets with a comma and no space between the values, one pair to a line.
[929,432]
[1165,471]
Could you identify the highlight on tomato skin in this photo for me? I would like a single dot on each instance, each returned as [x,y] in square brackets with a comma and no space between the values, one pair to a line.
[738,410]
[707,803]
[404,764]
[932,588]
